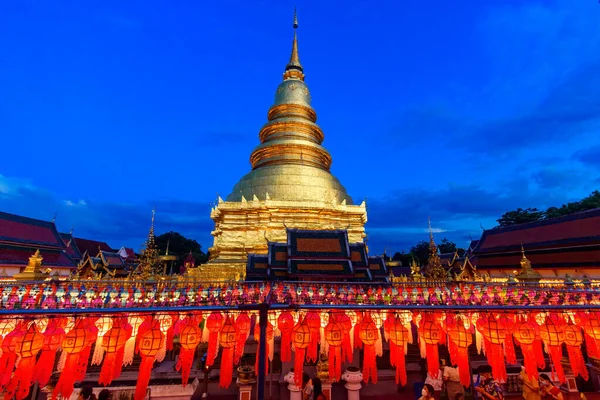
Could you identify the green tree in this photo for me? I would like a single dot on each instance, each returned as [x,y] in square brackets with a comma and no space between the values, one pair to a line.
[520,216]
[420,251]
[180,246]
[446,246]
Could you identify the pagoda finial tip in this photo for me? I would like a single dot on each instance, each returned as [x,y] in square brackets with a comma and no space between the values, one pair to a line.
[295,18]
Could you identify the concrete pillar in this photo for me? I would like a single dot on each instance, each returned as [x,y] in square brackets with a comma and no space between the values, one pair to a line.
[353,378]
[245,390]
[295,391]
[326,386]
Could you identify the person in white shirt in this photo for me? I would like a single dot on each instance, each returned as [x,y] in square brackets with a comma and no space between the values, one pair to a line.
[452,382]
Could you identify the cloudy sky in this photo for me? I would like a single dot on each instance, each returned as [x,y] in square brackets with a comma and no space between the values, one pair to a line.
[458,110]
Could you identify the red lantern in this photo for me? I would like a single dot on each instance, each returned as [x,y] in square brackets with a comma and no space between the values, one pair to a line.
[369,333]
[431,334]
[9,356]
[285,323]
[242,327]
[270,334]
[313,320]
[227,338]
[27,345]
[75,341]
[334,334]
[343,319]
[553,335]
[460,340]
[301,339]
[84,356]
[398,335]
[53,337]
[591,329]
[149,343]
[494,331]
[214,323]
[113,343]
[525,333]
[189,338]
[574,340]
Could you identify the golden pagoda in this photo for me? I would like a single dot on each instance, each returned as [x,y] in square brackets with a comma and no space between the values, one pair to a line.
[290,185]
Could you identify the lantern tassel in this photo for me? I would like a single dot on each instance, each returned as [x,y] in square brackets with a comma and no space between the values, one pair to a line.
[44,366]
[509,350]
[299,366]
[213,348]
[143,377]
[539,354]
[67,379]
[108,369]
[556,357]
[335,363]
[186,359]
[369,364]
[21,380]
[226,367]
[577,362]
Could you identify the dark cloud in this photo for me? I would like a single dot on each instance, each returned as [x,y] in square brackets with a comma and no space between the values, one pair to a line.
[559,179]
[589,157]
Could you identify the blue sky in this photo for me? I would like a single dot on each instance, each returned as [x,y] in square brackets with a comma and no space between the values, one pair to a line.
[458,110]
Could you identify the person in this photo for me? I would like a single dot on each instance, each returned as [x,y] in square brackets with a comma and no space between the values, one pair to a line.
[317,389]
[86,393]
[489,388]
[104,394]
[548,390]
[427,392]
[452,382]
[307,389]
[531,388]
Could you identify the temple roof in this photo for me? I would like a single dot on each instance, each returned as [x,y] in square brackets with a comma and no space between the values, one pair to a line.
[569,241]
[71,245]
[15,229]
[91,246]
[19,255]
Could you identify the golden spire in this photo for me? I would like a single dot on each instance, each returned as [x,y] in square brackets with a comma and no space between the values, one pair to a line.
[434,268]
[527,274]
[294,69]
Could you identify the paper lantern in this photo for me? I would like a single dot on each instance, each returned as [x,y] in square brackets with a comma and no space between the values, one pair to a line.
[460,340]
[493,330]
[430,333]
[53,337]
[398,335]
[227,338]
[189,338]
[574,340]
[552,332]
[334,334]
[285,323]
[369,334]
[242,327]
[214,323]
[149,344]
[113,342]
[525,333]
[28,344]
[346,322]
[313,320]
[74,342]
[301,339]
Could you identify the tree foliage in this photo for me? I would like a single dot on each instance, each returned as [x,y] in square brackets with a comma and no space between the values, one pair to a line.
[521,216]
[180,246]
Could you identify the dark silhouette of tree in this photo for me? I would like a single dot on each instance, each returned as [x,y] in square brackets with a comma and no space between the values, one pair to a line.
[180,246]
[520,216]
[420,252]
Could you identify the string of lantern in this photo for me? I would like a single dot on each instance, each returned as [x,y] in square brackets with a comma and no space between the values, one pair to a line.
[113,295]
[31,345]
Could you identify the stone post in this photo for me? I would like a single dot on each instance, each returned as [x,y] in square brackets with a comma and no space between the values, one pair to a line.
[295,391]
[326,386]
[245,389]
[353,378]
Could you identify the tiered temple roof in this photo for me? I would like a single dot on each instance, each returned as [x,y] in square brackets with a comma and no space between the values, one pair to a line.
[91,246]
[567,243]
[21,237]
[104,264]
[458,267]
[316,255]
[72,249]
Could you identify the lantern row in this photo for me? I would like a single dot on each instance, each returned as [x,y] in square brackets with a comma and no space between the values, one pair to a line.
[104,295]
[30,346]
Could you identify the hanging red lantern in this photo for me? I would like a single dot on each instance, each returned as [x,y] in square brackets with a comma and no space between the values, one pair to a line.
[149,343]
[552,332]
[356,321]
[430,332]
[285,323]
[227,338]
[591,328]
[214,323]
[53,337]
[9,355]
[84,355]
[301,339]
[113,342]
[334,334]
[369,333]
[346,322]
[27,345]
[398,335]
[460,340]
[494,333]
[574,340]
[525,333]
[189,338]
[242,327]
[73,344]
[313,320]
